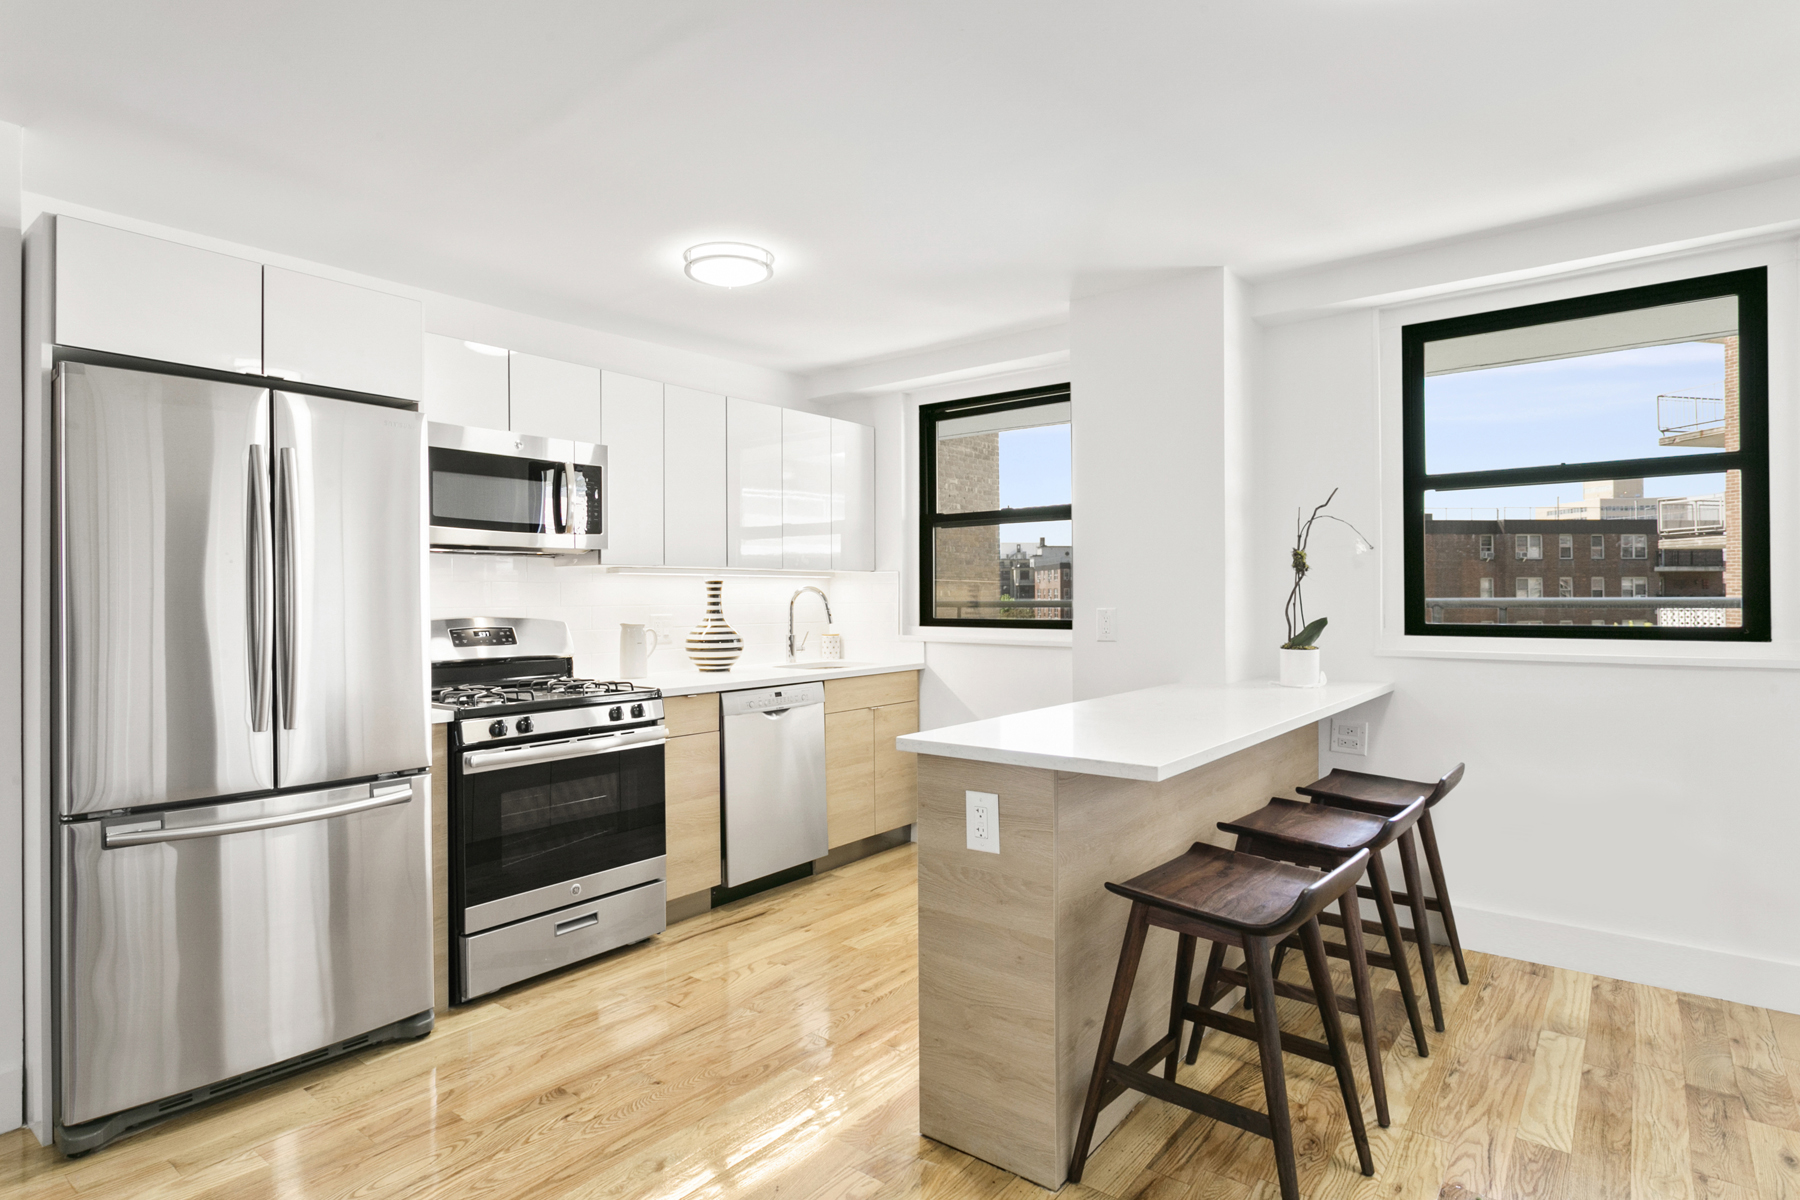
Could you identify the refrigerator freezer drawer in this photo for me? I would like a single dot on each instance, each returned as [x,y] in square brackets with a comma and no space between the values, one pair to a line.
[504,956]
[200,944]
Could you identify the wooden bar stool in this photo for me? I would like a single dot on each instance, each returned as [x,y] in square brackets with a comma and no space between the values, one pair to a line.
[1383,794]
[1315,836]
[1253,903]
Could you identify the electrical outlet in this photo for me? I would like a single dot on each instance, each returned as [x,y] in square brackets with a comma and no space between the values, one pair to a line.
[1350,737]
[984,821]
[663,625]
[1108,624]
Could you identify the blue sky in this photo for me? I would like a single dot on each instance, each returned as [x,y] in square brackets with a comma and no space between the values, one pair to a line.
[1034,470]
[1599,406]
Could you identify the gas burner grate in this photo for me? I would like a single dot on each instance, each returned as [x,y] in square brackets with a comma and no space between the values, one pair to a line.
[477,695]
[587,687]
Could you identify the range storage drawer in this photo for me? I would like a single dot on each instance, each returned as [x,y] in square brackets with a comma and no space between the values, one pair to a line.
[504,956]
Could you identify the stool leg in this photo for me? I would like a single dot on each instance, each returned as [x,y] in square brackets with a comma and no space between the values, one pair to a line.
[1409,866]
[1314,946]
[1351,910]
[1129,953]
[1280,957]
[1184,980]
[1428,837]
[1390,929]
[1268,1045]
[1214,961]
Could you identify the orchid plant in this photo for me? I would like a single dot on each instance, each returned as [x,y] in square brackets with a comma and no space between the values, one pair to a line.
[1304,634]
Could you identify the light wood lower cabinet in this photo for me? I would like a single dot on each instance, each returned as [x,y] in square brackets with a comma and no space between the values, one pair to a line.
[870,787]
[691,793]
[896,772]
[850,775]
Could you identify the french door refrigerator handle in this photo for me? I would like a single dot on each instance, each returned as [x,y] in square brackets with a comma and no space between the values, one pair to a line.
[288,600]
[261,657]
[381,798]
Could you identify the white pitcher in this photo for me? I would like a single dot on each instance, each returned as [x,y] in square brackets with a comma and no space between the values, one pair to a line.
[636,644]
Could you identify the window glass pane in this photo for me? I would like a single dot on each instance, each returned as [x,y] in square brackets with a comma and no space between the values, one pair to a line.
[1014,572]
[1672,542]
[1646,383]
[1013,459]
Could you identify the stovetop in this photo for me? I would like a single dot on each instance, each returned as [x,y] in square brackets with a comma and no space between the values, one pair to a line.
[538,694]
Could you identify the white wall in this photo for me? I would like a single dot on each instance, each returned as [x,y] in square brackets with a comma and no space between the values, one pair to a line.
[1159,378]
[1632,818]
[12,946]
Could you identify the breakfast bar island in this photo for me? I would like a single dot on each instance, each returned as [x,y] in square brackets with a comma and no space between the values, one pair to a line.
[1017,947]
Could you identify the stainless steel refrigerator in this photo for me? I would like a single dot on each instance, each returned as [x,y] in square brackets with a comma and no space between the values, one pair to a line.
[243,882]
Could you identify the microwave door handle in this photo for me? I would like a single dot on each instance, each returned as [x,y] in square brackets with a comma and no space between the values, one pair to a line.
[288,596]
[261,657]
[562,498]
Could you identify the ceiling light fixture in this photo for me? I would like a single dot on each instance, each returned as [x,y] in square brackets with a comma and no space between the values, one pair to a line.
[728,264]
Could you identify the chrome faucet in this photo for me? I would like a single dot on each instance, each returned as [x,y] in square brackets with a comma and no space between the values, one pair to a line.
[791,600]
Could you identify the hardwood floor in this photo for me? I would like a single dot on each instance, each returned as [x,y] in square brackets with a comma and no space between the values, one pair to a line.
[770,1049]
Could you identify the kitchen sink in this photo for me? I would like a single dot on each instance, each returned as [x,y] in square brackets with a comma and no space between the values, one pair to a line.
[833,664]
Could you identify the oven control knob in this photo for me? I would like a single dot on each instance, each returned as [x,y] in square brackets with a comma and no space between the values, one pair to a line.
[617,714]
[523,726]
[497,729]
[637,710]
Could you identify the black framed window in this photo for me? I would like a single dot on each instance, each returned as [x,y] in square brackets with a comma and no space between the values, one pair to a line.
[995,523]
[1634,420]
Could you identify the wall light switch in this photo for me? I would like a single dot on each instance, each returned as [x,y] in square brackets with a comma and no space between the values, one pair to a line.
[984,821]
[1108,624]
[1350,737]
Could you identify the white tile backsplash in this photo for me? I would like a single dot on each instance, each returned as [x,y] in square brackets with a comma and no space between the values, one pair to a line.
[594,603]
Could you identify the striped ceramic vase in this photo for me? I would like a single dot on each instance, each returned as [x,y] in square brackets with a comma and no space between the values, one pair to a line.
[712,644]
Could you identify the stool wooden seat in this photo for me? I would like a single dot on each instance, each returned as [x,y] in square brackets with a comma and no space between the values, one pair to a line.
[1253,903]
[1385,794]
[1316,836]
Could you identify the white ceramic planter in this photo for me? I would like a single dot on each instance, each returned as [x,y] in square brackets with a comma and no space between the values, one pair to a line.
[1300,668]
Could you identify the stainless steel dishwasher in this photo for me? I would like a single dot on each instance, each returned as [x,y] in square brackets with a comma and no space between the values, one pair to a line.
[774,779]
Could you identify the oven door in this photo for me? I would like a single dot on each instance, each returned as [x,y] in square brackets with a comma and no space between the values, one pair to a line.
[493,490]
[542,825]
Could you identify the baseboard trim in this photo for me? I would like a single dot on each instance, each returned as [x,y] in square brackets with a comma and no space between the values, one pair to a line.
[1766,983]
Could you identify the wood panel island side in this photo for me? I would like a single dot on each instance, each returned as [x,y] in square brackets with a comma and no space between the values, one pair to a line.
[1017,948]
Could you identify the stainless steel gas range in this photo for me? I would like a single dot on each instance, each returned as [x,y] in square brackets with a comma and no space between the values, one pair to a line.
[556,803]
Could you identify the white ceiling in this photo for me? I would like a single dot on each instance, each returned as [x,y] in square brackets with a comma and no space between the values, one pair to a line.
[924,171]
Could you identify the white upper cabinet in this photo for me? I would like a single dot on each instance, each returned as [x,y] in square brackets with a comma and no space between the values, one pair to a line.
[753,484]
[339,335]
[805,491]
[126,293]
[631,425]
[694,478]
[465,383]
[555,399]
[852,496]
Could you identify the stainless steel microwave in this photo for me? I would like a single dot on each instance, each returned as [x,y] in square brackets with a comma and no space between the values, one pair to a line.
[516,493]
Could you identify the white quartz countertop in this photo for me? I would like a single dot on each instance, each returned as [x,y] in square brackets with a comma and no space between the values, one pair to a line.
[1153,734]
[689,682]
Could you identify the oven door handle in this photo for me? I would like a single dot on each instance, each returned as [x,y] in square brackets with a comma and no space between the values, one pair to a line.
[476,761]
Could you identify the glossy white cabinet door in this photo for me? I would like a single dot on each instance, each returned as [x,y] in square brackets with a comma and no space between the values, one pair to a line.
[753,487]
[333,334]
[465,383]
[127,293]
[631,425]
[694,478]
[852,496]
[555,399]
[805,491]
